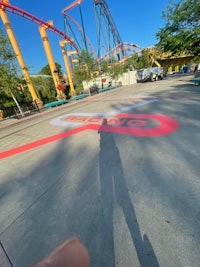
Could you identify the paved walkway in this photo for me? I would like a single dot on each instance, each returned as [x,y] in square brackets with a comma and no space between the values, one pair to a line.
[120,170]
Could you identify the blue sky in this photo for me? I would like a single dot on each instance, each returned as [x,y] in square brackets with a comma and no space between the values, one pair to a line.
[136,21]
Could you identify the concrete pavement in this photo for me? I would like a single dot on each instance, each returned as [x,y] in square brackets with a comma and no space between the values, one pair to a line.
[120,170]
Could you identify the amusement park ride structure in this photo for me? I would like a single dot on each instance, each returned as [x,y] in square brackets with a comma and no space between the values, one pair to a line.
[102,11]
[110,40]
[43,26]
[108,36]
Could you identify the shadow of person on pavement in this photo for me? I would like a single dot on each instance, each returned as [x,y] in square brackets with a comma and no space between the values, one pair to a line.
[112,182]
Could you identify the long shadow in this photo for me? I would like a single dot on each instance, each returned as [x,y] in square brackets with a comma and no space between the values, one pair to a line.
[42,215]
[33,234]
[112,182]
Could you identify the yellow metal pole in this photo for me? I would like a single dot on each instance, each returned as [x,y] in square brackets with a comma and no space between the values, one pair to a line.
[52,65]
[64,53]
[170,69]
[177,68]
[71,60]
[19,56]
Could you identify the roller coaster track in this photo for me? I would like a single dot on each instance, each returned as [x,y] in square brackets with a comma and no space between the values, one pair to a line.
[110,20]
[72,5]
[121,47]
[17,11]
[81,30]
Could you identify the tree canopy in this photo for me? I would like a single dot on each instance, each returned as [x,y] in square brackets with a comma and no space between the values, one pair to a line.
[181,34]
[9,79]
[86,68]
[46,70]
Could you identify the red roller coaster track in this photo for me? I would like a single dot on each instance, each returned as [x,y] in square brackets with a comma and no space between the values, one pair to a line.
[72,5]
[17,11]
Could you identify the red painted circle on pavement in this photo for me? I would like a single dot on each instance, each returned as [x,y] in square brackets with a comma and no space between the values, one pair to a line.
[166,125]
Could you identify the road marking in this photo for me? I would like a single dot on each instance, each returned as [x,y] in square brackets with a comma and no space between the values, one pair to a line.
[40,142]
[130,124]
[58,120]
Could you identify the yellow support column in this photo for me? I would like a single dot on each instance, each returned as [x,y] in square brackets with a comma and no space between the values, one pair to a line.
[177,68]
[170,69]
[19,55]
[52,65]
[64,53]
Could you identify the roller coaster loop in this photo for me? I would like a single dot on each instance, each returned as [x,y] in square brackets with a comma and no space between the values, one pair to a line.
[17,11]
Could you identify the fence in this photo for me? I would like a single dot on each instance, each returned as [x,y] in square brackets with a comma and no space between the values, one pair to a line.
[27,109]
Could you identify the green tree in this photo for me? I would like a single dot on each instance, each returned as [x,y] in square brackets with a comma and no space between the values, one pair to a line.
[181,34]
[46,70]
[138,61]
[45,88]
[114,71]
[104,66]
[9,79]
[86,59]
[87,68]
[6,54]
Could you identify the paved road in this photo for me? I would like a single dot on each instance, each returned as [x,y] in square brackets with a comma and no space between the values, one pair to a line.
[120,170]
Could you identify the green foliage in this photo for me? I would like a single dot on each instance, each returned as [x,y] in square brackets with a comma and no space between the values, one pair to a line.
[81,75]
[144,60]
[45,88]
[138,61]
[86,59]
[9,79]
[46,70]
[7,54]
[104,66]
[115,71]
[86,68]
[182,30]
[196,59]
[79,87]
[9,104]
